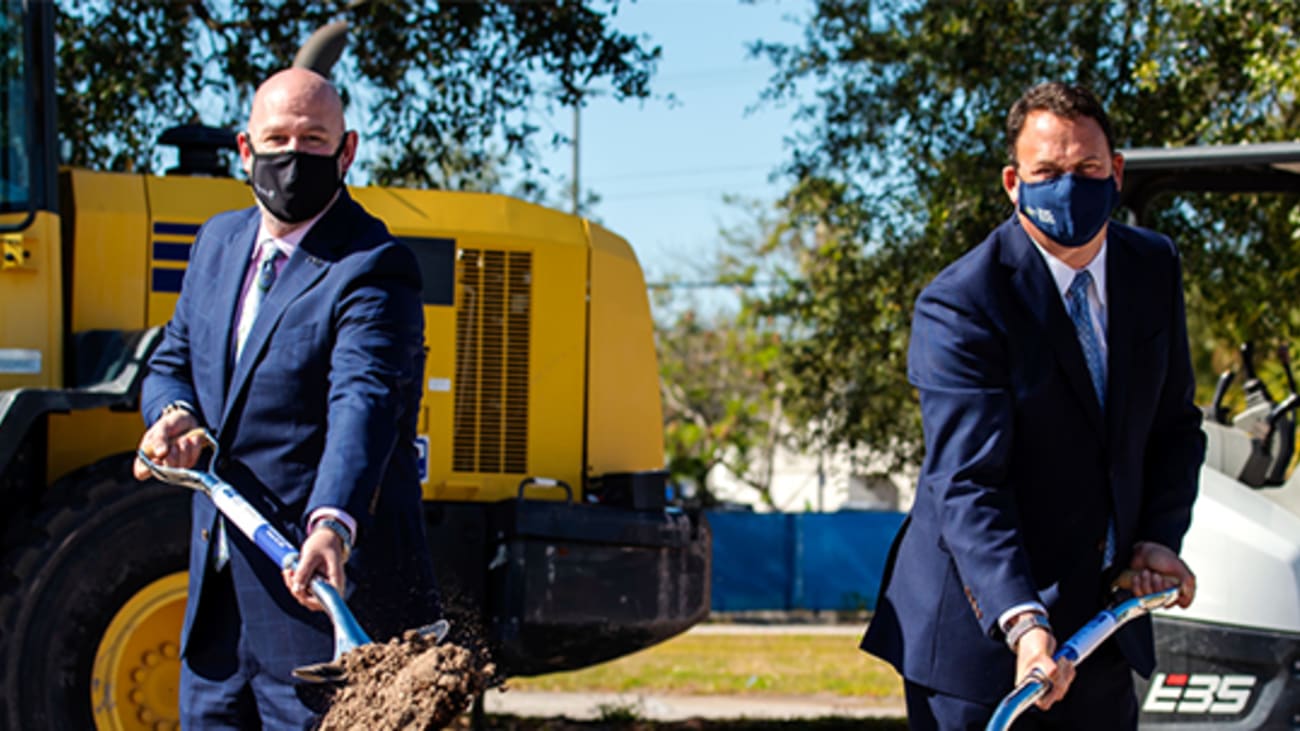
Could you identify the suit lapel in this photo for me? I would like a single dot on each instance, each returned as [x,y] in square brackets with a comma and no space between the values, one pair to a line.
[230,280]
[300,273]
[1033,284]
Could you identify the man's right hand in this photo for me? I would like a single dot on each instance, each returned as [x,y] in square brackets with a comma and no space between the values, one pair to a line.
[1034,651]
[172,441]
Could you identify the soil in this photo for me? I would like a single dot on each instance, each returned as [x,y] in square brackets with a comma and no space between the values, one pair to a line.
[410,683]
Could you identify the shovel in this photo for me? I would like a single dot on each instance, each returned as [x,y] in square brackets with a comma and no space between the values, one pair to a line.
[348,634]
[1080,645]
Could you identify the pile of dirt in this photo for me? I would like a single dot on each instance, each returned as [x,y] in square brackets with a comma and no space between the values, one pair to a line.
[409,683]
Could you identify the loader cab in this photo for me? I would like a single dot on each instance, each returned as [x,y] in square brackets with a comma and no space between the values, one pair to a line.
[27,162]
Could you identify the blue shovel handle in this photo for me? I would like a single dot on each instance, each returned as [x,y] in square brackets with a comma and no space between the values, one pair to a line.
[348,633]
[1080,645]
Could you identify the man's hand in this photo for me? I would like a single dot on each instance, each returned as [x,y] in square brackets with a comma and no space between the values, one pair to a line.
[172,441]
[1034,652]
[1157,568]
[322,553]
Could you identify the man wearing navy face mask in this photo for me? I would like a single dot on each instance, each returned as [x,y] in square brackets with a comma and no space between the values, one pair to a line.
[298,342]
[1062,444]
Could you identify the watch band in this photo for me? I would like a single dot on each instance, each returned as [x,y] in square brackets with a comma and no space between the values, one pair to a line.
[340,530]
[176,406]
[1027,621]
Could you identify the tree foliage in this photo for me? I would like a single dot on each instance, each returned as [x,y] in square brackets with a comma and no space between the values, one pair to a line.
[443,83]
[719,377]
[897,167]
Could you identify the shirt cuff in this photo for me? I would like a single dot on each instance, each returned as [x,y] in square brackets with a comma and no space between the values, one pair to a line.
[340,515]
[1004,619]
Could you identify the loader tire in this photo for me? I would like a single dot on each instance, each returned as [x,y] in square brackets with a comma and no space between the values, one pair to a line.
[91,604]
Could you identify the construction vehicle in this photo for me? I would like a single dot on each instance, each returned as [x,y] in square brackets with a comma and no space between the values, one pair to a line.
[1232,659]
[540,424]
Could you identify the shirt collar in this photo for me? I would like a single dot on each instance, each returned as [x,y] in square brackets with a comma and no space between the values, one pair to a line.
[288,243]
[1063,274]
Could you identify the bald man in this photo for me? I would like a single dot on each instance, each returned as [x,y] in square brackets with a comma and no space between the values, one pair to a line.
[298,341]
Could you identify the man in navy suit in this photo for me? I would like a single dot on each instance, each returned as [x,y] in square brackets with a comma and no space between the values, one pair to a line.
[1062,444]
[298,341]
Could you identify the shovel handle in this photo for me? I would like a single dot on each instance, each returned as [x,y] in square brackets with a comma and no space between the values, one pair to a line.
[229,502]
[1080,645]
[348,633]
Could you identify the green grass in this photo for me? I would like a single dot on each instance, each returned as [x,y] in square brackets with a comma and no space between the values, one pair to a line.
[707,664]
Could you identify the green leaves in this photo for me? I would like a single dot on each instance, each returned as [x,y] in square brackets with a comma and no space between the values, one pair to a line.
[897,170]
[442,84]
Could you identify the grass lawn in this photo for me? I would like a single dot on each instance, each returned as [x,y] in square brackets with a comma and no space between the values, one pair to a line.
[698,663]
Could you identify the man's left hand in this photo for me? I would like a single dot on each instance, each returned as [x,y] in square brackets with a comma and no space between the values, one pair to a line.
[322,553]
[1157,568]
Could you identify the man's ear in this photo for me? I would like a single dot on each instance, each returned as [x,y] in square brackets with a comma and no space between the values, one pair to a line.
[245,153]
[1011,183]
[1117,167]
[349,152]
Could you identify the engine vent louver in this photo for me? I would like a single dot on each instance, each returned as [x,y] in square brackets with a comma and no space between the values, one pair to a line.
[493,321]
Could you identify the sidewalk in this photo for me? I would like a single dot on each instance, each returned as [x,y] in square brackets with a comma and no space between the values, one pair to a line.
[590,706]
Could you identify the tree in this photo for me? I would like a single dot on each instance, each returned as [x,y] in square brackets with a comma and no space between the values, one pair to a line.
[447,86]
[897,167]
[719,381]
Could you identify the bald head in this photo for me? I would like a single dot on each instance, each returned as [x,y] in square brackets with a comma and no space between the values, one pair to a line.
[296,99]
[297,110]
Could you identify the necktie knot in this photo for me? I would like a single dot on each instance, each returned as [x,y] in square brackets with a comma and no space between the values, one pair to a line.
[270,256]
[1079,287]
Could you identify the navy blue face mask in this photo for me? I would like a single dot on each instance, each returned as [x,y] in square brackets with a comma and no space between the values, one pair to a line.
[1069,208]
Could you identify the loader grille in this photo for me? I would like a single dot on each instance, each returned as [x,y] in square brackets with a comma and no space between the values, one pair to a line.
[493,320]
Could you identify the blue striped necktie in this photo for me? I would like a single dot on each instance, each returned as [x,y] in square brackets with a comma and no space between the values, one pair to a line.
[1076,303]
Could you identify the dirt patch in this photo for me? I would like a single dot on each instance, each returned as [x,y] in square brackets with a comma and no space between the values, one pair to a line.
[409,683]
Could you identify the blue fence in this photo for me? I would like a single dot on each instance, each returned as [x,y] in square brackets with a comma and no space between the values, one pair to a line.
[784,561]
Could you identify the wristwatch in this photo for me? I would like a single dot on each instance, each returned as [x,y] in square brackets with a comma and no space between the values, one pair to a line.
[176,406]
[1023,624]
[339,529]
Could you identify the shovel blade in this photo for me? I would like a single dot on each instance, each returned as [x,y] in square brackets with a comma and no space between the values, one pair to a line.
[332,672]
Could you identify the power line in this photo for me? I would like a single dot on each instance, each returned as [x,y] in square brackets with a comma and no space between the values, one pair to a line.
[710,284]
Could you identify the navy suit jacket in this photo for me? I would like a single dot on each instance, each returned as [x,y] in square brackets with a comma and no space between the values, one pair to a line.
[321,411]
[1024,467]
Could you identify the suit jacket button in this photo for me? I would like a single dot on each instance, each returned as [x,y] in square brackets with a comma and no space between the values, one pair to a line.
[203,534]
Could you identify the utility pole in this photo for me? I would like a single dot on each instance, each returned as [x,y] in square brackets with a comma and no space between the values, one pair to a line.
[577,128]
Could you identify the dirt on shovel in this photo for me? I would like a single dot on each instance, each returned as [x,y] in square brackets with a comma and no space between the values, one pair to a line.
[409,683]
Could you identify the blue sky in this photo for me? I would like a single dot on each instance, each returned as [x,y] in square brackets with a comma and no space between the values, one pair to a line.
[662,170]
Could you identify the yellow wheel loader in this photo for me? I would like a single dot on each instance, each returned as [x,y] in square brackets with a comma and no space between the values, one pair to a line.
[540,423]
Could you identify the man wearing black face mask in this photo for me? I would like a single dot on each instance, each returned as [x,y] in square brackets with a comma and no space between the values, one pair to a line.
[1062,444]
[298,341]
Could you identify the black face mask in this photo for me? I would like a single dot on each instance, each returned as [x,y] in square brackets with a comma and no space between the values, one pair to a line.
[294,186]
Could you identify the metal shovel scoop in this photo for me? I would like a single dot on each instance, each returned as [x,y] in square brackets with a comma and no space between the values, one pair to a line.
[348,634]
